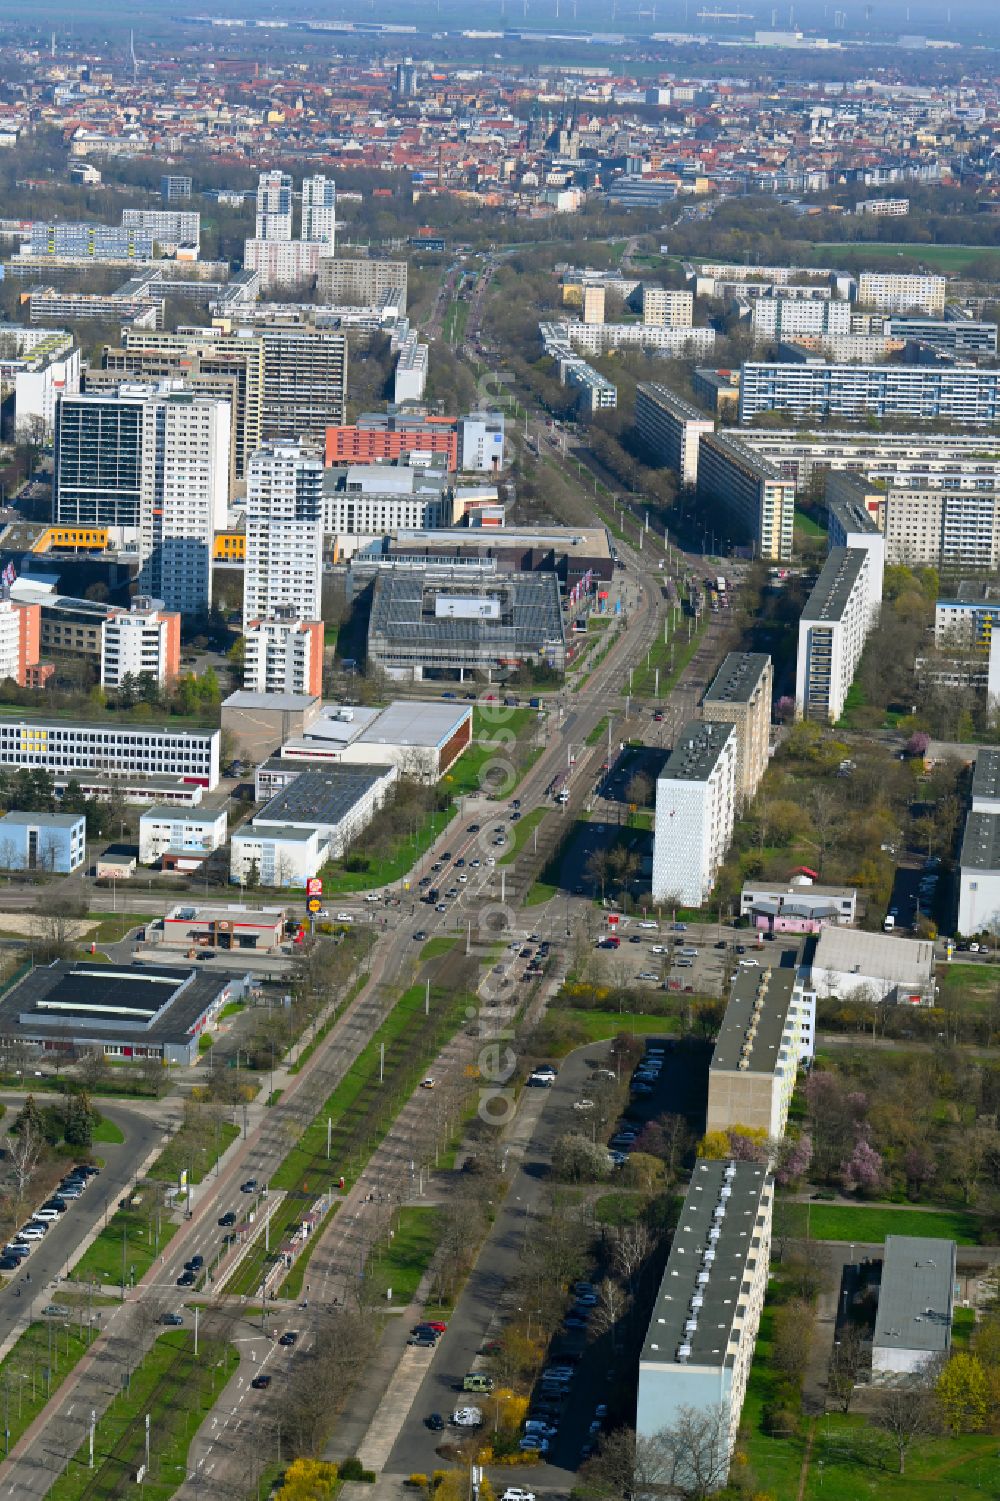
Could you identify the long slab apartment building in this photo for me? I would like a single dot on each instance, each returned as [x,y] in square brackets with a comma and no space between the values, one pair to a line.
[738,488]
[700,1341]
[671,428]
[959,394]
[695,811]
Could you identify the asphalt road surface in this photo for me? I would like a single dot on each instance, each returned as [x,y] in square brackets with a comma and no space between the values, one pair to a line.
[19,1298]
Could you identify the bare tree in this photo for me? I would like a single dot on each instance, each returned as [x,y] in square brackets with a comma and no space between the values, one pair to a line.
[846,1365]
[688,1459]
[632,1245]
[906,1412]
[612,1306]
[25,1149]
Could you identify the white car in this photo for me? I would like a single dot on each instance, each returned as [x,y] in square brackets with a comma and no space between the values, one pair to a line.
[514,1493]
[345,917]
[649,925]
[373,896]
[646,974]
[659,948]
[467,1417]
[749,964]
[583,1104]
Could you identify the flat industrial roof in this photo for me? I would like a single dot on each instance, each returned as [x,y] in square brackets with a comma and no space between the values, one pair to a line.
[915,1300]
[423,724]
[755,1016]
[697,748]
[320,799]
[833,588]
[738,678]
[707,1293]
[981,842]
[849,950]
[104,1002]
[588,540]
[285,703]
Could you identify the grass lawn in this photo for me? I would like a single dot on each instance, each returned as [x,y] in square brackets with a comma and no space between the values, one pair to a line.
[176,1388]
[112,926]
[539,892]
[401,1264]
[435,947]
[521,833]
[962,1325]
[107,1132]
[846,1464]
[974,984]
[390,868]
[453,326]
[600,1025]
[622,1208]
[805,524]
[128,1240]
[644,683]
[491,720]
[197,1150]
[873,1222]
[22,1372]
[959,259]
[361,1109]
[234,1008]
[600,729]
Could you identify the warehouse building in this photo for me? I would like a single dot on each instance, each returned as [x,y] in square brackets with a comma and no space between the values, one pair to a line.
[851,964]
[128,1011]
[916,1305]
[439,623]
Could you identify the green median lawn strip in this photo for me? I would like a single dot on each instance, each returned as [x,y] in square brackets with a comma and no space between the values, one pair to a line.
[600,729]
[49,1344]
[521,833]
[402,1262]
[194,1152]
[108,1133]
[175,1388]
[361,1110]
[130,1239]
[871,1223]
[349,995]
[644,683]
[435,947]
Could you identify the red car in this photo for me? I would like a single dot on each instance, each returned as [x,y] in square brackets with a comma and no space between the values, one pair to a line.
[438,1328]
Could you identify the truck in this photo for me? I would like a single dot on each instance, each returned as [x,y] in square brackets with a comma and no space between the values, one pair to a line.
[720,584]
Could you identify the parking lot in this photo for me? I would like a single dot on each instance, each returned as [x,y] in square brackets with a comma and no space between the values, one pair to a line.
[660,957]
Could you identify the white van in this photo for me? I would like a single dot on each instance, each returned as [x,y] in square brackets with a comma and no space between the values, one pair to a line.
[46,1214]
[33,1232]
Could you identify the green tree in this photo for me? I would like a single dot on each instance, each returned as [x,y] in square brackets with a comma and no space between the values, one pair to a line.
[81,1118]
[963,1393]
